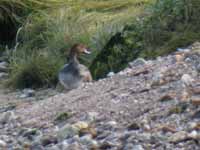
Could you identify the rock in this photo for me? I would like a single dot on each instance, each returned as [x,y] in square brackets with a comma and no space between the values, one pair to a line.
[49,139]
[196,90]
[183,49]
[29,132]
[195,100]
[7,108]
[178,137]
[110,74]
[137,147]
[27,93]
[194,135]
[137,62]
[179,57]
[131,146]
[3,75]
[168,97]
[81,125]
[134,126]
[187,79]
[7,117]
[3,66]
[88,141]
[67,131]
[3,144]
[92,116]
[73,146]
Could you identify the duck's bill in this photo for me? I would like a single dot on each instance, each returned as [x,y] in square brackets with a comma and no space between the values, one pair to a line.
[86,51]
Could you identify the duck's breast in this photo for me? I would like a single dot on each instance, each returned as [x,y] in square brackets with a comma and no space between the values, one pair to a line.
[69,76]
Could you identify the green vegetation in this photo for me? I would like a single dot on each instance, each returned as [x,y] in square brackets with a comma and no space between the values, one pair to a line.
[117,31]
[165,25]
[47,35]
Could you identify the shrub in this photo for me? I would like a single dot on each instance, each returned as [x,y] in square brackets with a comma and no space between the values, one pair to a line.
[164,26]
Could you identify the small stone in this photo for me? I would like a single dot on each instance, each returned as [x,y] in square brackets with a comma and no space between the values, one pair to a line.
[7,117]
[110,74]
[179,57]
[67,131]
[3,75]
[73,146]
[134,126]
[88,141]
[195,100]
[3,66]
[178,137]
[187,79]
[196,90]
[46,140]
[137,62]
[196,115]
[183,49]
[92,116]
[27,93]
[194,135]
[167,97]
[138,147]
[2,144]
[81,125]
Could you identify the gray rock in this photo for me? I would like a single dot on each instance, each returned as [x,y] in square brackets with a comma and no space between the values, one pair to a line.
[27,93]
[3,66]
[178,137]
[137,62]
[67,131]
[7,117]
[3,75]
[88,141]
[110,74]
[3,144]
[187,79]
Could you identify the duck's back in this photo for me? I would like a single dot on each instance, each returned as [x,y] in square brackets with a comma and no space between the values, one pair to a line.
[69,76]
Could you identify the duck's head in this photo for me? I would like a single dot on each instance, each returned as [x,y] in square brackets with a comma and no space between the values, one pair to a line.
[79,49]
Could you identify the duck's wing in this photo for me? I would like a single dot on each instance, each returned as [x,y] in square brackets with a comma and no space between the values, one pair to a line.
[85,73]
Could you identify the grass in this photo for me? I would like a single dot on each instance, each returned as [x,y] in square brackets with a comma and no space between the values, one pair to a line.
[164,26]
[48,33]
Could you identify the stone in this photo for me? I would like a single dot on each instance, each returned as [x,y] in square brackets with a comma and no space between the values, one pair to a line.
[27,93]
[178,137]
[81,125]
[88,141]
[195,100]
[183,49]
[92,116]
[3,75]
[67,131]
[167,97]
[134,126]
[3,66]
[3,144]
[49,139]
[137,62]
[7,117]
[110,74]
[137,147]
[194,135]
[187,79]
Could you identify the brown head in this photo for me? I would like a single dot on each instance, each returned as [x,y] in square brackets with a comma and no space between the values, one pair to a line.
[78,49]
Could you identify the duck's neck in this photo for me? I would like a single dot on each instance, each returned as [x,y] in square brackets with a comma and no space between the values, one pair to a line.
[73,57]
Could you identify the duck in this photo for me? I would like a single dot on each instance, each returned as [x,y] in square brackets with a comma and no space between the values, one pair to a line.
[73,74]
